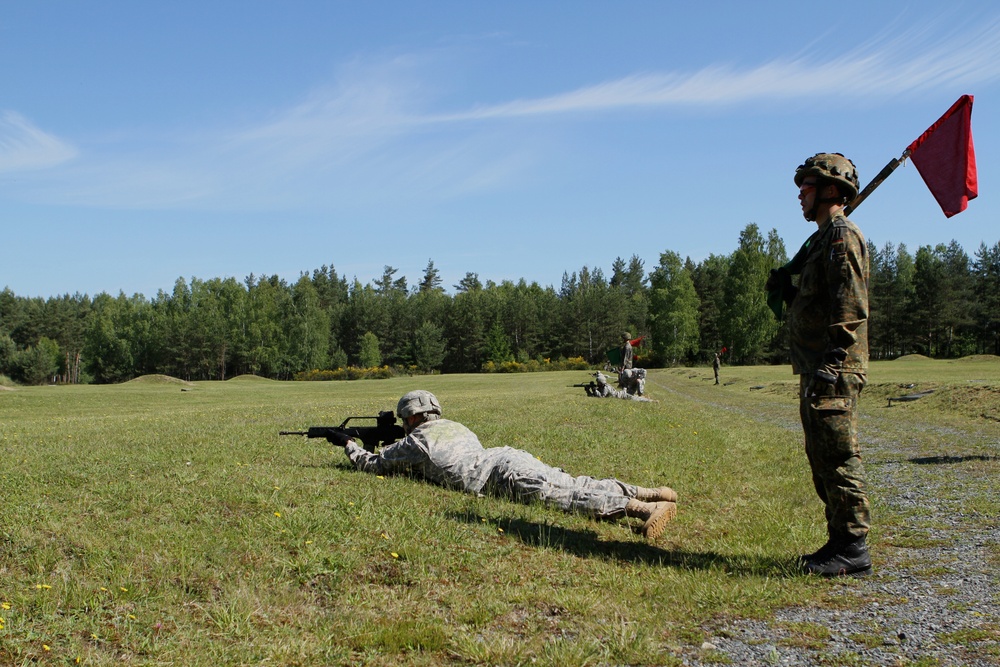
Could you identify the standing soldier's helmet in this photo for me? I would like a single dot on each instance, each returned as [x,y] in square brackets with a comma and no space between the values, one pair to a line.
[626,335]
[831,167]
[417,403]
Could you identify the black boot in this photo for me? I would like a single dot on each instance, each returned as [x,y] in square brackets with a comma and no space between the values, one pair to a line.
[843,558]
[822,553]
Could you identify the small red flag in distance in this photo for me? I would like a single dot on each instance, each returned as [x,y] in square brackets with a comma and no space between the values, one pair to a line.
[946,159]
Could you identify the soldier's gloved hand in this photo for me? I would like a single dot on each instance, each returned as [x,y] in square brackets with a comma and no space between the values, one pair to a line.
[339,438]
[773,281]
[780,280]
[833,360]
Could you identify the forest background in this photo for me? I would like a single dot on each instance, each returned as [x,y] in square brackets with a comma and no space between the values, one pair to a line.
[938,302]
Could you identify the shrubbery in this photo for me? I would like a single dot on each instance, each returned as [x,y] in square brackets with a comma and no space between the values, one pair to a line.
[535,365]
[355,373]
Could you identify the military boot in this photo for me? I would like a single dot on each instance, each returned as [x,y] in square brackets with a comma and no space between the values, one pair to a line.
[655,516]
[655,495]
[842,559]
[822,553]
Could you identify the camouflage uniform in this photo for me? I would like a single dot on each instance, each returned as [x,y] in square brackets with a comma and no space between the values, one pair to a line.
[633,380]
[828,326]
[628,356]
[604,390]
[449,454]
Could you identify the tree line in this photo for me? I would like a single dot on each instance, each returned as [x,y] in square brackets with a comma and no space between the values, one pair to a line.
[938,302]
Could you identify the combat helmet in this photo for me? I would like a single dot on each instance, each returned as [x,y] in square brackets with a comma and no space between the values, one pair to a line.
[831,167]
[417,402]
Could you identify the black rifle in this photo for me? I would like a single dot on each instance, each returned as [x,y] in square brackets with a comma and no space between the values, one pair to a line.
[589,387]
[386,431]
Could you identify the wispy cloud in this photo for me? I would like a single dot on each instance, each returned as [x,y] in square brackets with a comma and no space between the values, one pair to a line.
[24,147]
[880,69]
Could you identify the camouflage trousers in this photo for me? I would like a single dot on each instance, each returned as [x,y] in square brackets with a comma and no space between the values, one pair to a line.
[518,475]
[830,421]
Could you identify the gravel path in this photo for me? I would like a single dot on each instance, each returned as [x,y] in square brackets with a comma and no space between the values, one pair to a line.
[934,598]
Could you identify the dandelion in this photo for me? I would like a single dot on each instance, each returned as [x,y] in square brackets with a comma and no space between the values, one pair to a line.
[350,504]
[131,616]
[379,477]
[123,589]
[104,589]
[309,541]
[93,636]
[277,514]
[42,587]
[46,647]
[385,536]
[395,555]
[500,530]
[5,605]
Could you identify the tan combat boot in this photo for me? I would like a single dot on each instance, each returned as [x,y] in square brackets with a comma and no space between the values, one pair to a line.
[655,515]
[656,495]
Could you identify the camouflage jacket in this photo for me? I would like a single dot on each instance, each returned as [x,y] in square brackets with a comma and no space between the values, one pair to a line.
[440,451]
[830,309]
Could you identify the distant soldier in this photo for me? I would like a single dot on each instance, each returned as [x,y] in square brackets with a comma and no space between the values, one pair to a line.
[605,390]
[447,453]
[627,355]
[633,380]
[715,367]
[828,328]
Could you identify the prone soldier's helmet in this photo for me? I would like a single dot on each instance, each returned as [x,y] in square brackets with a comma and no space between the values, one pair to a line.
[601,380]
[831,167]
[417,402]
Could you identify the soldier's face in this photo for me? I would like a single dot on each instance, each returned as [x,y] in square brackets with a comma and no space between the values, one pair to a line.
[807,195]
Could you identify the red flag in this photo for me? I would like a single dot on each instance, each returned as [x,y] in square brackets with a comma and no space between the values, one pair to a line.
[946,159]
[636,342]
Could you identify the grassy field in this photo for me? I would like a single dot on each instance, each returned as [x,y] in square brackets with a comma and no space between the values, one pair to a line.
[159,522]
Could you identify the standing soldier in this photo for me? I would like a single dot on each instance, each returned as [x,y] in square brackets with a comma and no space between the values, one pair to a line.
[828,327]
[627,356]
[715,367]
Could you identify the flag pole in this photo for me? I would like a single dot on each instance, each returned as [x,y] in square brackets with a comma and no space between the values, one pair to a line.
[877,181]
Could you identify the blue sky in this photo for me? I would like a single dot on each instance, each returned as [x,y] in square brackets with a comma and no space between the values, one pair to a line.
[141,142]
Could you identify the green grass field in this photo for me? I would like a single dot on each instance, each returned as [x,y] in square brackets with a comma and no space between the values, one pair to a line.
[164,523]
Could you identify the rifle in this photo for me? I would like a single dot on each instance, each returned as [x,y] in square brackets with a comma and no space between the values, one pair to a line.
[386,431]
[589,387]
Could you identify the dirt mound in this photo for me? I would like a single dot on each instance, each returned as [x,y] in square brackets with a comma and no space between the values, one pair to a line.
[980,357]
[913,357]
[249,377]
[158,379]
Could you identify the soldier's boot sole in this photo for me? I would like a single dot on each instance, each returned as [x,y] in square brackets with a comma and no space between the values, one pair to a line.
[662,514]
